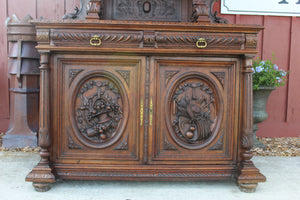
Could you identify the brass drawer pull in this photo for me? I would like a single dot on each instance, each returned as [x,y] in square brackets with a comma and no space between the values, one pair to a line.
[201,43]
[95,41]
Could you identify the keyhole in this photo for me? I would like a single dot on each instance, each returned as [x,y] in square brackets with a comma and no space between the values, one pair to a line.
[147,7]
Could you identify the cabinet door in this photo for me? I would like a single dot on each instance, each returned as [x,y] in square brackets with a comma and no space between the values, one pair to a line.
[96,116]
[195,109]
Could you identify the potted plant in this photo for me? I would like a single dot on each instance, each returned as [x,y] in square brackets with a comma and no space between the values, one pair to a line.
[266,77]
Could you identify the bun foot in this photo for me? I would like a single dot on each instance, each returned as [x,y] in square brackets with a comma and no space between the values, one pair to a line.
[247,187]
[42,187]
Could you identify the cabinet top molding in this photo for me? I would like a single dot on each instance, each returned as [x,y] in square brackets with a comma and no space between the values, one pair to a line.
[149,25]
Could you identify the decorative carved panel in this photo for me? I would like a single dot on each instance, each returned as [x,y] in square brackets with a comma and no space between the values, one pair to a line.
[98,108]
[124,145]
[219,144]
[125,75]
[167,145]
[149,39]
[193,112]
[169,75]
[251,41]
[220,76]
[99,112]
[73,73]
[43,36]
[151,10]
[72,144]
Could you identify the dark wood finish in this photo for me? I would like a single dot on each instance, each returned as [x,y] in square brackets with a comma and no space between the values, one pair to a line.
[148,10]
[248,175]
[137,100]
[41,175]
[192,101]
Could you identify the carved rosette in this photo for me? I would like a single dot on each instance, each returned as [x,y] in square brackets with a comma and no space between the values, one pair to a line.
[251,41]
[194,112]
[43,36]
[149,39]
[99,112]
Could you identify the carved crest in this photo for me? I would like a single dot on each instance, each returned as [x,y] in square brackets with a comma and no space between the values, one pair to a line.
[98,111]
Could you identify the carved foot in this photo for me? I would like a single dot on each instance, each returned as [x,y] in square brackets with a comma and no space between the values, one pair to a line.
[249,177]
[42,178]
[42,187]
[247,187]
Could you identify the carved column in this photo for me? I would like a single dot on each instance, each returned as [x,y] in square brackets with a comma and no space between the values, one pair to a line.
[41,175]
[248,175]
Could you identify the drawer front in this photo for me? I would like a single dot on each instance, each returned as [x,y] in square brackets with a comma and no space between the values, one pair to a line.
[120,39]
[94,99]
[194,111]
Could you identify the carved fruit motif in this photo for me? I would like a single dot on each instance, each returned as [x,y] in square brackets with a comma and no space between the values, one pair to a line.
[193,112]
[98,111]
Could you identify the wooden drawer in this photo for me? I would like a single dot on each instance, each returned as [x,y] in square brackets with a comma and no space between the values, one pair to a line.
[148,39]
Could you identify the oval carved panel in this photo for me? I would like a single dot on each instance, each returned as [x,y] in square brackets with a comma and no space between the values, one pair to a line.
[99,111]
[193,111]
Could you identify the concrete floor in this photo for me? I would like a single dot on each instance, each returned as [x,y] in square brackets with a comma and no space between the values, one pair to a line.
[283,182]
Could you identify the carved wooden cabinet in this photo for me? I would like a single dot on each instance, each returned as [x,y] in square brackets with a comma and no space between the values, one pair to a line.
[137,100]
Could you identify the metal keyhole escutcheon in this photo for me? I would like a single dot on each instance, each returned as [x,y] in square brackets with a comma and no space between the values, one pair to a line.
[147,7]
